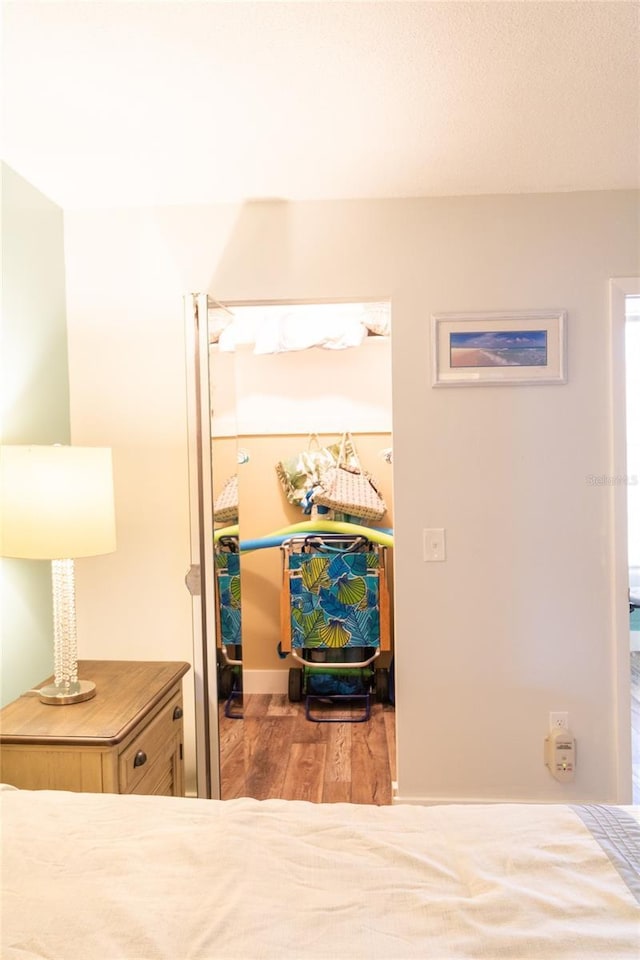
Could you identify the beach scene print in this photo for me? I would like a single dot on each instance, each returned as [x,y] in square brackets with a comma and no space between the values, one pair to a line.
[499,348]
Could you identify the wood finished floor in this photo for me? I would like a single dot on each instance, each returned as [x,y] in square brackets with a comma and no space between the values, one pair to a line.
[635,724]
[276,752]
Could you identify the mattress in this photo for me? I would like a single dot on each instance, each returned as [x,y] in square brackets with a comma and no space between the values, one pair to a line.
[96,877]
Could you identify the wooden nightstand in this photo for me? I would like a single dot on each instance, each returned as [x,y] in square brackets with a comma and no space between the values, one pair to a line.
[128,739]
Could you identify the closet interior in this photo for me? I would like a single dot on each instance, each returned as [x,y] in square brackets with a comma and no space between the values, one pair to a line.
[296,389]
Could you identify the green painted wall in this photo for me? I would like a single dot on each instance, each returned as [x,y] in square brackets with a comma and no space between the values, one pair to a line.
[34,397]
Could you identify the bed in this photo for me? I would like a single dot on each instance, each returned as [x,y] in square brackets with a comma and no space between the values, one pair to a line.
[99,877]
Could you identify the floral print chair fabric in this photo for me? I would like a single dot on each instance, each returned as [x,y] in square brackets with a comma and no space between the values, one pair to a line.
[334,600]
[229,597]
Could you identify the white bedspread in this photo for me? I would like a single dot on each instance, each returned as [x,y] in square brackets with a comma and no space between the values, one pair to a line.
[104,877]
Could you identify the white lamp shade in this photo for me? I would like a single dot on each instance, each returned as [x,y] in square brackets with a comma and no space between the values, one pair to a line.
[56,502]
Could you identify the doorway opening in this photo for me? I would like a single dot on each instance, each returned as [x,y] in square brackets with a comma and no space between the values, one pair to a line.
[285,380]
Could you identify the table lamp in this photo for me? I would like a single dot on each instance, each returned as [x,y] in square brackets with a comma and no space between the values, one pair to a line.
[57,504]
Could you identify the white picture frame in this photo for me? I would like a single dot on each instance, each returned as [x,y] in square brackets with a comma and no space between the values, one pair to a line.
[509,347]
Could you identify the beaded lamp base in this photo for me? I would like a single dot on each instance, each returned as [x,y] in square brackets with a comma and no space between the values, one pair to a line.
[67,693]
[66,687]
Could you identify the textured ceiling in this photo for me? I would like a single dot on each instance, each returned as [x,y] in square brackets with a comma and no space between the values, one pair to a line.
[194,102]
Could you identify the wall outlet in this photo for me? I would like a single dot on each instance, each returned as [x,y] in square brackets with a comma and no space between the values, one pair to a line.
[559,720]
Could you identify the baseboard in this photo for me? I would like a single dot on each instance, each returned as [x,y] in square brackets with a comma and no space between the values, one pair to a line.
[265,681]
[474,801]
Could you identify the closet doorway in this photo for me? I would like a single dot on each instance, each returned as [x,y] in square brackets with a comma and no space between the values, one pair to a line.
[265,381]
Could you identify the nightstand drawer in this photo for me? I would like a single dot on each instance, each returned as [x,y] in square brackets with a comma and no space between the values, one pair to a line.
[151,749]
[162,778]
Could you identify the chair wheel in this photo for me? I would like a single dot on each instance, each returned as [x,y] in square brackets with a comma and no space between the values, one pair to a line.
[295,685]
[382,685]
[225,682]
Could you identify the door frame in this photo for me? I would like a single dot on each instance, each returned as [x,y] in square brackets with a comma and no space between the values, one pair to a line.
[619,289]
[200,577]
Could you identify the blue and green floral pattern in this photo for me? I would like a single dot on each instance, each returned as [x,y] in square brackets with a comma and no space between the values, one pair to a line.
[334,600]
[228,574]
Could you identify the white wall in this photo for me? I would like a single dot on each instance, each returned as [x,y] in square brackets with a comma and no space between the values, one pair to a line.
[35,405]
[519,620]
[308,391]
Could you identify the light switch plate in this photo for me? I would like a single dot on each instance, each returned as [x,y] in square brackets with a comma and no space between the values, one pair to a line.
[434,545]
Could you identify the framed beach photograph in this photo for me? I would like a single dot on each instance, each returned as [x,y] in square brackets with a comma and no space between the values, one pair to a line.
[526,347]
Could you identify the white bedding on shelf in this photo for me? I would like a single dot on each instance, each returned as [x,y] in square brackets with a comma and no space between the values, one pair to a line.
[99,877]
